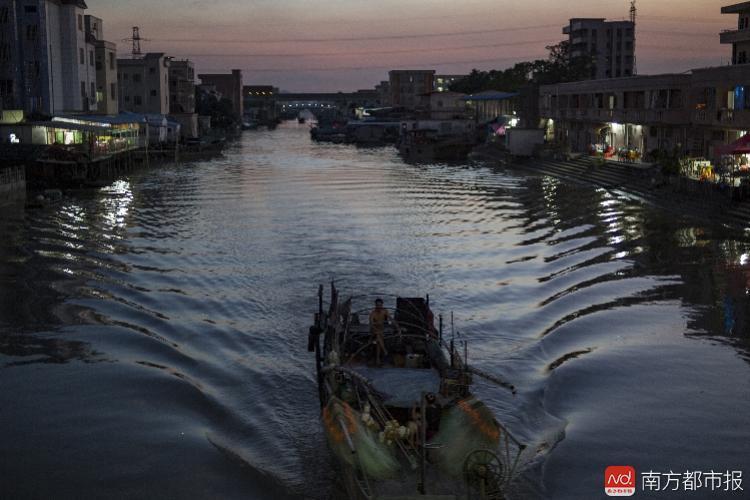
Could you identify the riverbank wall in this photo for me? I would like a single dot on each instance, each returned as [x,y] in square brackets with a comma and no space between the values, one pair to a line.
[678,194]
[12,183]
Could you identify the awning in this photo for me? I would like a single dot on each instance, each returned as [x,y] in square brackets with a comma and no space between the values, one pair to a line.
[739,147]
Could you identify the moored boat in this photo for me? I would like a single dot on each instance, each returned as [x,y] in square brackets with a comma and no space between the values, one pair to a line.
[409,428]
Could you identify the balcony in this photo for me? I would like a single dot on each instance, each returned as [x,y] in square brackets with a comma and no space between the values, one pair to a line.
[735,118]
[735,36]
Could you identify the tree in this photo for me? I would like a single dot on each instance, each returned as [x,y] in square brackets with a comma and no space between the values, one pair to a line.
[220,110]
[559,67]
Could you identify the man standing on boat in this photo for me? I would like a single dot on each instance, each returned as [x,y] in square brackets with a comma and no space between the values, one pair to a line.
[378,318]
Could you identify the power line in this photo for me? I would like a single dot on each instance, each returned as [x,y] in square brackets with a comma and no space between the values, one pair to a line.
[360,68]
[369,52]
[359,38]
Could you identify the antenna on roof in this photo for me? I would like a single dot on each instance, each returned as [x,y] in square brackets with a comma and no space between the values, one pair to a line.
[136,39]
[633,15]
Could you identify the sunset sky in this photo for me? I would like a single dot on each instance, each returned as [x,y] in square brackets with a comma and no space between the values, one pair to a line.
[330,45]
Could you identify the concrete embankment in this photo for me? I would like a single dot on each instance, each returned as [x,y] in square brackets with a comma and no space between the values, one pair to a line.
[12,183]
[679,194]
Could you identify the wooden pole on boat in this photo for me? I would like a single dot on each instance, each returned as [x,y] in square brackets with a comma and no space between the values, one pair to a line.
[423,453]
[320,300]
[440,320]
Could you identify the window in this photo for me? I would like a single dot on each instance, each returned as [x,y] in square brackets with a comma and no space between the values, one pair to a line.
[83,89]
[31,32]
[4,51]
[126,76]
[137,77]
[98,65]
[127,98]
[152,70]
[81,56]
[91,57]
[4,11]
[30,9]
[137,100]
[111,56]
[6,87]
[93,89]
[153,93]
[80,22]
[112,91]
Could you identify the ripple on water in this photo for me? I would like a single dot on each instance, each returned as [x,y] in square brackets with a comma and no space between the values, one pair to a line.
[153,333]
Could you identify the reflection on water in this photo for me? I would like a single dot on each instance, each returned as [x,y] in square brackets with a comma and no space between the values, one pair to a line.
[152,333]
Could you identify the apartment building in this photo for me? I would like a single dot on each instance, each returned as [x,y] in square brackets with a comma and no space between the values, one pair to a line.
[181,86]
[105,62]
[46,63]
[182,96]
[609,44]
[739,38]
[144,84]
[407,86]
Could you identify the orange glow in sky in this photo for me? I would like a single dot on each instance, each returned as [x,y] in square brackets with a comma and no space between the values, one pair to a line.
[330,45]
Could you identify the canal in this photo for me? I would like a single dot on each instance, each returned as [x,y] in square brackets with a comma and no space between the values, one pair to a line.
[153,333]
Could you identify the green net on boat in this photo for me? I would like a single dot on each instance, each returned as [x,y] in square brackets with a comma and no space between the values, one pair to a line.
[466,427]
[376,459]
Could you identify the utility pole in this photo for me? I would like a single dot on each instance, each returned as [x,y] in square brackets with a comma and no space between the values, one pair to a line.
[136,40]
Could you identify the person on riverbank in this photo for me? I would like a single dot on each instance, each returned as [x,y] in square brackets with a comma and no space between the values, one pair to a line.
[378,319]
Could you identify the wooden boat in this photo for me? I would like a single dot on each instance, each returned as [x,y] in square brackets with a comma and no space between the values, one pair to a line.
[411,428]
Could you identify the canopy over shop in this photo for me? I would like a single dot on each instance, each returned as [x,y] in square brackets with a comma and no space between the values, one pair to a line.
[93,137]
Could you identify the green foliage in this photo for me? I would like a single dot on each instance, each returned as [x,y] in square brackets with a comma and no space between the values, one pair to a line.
[559,67]
[221,110]
[669,162]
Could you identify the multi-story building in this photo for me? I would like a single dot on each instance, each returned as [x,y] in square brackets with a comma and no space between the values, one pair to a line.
[609,44]
[181,86]
[644,112]
[408,85]
[384,93]
[46,64]
[182,96]
[694,113]
[739,38]
[105,57]
[230,86]
[144,84]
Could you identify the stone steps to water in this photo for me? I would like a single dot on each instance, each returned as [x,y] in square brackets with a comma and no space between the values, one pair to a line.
[639,181]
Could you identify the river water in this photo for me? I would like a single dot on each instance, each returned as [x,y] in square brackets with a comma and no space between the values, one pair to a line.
[153,333]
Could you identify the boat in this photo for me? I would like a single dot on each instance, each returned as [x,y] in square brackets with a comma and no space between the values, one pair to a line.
[428,145]
[409,428]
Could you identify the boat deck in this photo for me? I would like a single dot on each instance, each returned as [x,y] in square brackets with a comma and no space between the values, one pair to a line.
[400,387]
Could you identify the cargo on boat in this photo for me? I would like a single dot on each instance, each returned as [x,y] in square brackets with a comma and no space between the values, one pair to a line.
[397,407]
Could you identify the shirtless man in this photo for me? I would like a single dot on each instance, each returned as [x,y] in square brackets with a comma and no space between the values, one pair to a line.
[378,318]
